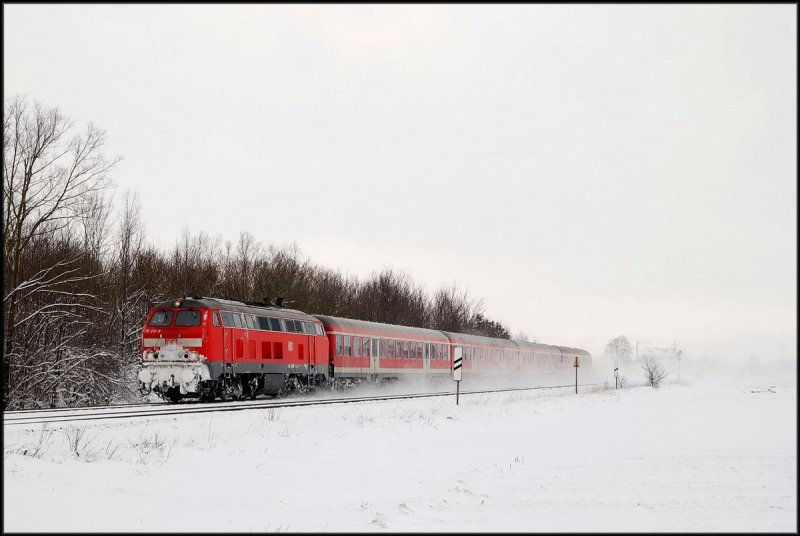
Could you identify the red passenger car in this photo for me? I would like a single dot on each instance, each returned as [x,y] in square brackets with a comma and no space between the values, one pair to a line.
[374,351]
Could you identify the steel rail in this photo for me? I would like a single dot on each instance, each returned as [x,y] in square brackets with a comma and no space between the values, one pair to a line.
[166,410]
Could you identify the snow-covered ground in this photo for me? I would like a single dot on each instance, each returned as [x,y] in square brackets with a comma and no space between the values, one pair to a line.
[713,453]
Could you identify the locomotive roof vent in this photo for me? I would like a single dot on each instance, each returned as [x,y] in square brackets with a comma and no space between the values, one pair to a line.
[275,301]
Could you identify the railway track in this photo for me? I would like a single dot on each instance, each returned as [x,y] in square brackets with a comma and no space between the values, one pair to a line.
[134,411]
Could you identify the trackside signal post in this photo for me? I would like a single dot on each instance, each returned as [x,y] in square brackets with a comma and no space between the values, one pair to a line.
[458,353]
[576,365]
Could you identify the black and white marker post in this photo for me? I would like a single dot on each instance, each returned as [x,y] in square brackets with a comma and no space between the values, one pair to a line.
[616,375]
[457,360]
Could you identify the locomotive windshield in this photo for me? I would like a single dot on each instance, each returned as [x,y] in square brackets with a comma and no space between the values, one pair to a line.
[161,318]
[188,318]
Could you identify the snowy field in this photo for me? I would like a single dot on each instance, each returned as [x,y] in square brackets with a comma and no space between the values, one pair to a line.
[711,453]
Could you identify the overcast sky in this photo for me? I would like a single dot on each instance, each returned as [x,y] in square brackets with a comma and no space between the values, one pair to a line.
[589,171]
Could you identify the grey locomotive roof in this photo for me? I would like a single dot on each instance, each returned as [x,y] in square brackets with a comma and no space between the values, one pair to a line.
[237,307]
[387,330]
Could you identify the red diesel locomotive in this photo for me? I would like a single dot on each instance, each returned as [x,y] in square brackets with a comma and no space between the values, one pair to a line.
[210,347]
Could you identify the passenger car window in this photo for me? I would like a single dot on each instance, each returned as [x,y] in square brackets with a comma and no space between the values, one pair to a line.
[188,318]
[161,318]
[338,345]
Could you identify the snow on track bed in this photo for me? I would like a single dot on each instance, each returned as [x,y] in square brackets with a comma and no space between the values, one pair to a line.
[65,415]
[695,457]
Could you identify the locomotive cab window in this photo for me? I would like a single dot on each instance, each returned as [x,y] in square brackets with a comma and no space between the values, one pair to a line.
[161,318]
[188,318]
[227,319]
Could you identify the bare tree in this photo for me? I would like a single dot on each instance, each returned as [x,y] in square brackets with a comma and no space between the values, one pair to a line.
[653,371]
[521,336]
[50,173]
[453,310]
[619,349]
[130,295]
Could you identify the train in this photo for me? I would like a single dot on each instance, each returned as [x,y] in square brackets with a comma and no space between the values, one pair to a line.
[215,348]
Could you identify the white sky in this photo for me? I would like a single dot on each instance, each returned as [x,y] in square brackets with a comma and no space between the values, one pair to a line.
[589,171]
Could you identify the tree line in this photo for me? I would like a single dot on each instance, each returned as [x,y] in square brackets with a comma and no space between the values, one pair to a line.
[79,277]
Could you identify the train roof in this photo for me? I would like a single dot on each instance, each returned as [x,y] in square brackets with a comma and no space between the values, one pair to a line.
[551,348]
[574,351]
[350,325]
[480,340]
[203,302]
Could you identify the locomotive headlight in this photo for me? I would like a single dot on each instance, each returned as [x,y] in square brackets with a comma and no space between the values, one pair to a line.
[177,303]
[145,376]
[193,356]
[187,375]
